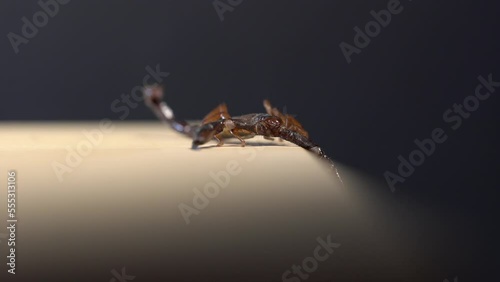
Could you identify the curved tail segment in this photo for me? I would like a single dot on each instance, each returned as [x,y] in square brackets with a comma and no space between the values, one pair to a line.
[153,97]
[302,141]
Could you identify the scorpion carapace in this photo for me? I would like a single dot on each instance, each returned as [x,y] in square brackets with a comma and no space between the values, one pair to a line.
[218,124]
[289,121]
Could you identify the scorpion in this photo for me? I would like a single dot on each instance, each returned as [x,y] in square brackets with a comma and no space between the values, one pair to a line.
[219,125]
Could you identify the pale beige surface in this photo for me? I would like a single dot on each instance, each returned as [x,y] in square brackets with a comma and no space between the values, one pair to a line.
[41,148]
[120,206]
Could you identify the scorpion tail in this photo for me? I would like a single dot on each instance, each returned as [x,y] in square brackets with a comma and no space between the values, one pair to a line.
[305,143]
[153,97]
[318,151]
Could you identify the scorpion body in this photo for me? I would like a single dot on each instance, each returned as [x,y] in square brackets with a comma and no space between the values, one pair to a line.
[219,125]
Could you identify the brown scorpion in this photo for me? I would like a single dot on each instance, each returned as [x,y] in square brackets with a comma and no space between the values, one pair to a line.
[219,125]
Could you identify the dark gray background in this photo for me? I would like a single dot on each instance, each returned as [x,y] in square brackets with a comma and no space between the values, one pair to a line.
[365,113]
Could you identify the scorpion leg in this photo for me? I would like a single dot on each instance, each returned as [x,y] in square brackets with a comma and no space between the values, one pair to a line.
[220,142]
[243,143]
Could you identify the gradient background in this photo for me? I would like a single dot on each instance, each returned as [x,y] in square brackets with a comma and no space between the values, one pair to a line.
[365,113]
